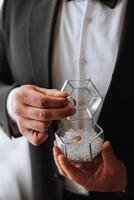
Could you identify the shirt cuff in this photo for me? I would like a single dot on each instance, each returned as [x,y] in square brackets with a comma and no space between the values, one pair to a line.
[9,104]
[11,114]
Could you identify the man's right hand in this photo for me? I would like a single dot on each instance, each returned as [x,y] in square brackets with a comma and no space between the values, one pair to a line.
[35,108]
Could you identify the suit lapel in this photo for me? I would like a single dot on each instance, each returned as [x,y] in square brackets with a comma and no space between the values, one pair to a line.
[40,36]
[120,94]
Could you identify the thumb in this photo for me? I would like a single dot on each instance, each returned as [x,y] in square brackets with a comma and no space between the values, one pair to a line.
[108,155]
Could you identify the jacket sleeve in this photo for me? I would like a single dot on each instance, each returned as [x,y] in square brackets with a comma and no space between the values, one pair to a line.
[6,80]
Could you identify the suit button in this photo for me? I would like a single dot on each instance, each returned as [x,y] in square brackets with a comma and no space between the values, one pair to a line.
[88,20]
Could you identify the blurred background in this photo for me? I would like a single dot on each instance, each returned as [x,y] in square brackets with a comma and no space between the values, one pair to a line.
[1,2]
[15,169]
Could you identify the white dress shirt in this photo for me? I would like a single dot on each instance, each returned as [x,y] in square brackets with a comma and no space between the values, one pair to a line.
[86,45]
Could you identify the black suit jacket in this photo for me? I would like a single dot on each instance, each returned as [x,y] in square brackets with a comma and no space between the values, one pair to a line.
[26,44]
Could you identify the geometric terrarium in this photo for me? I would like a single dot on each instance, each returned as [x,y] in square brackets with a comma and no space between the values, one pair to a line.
[79,137]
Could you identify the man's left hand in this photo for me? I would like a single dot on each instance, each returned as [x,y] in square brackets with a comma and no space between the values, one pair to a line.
[104,174]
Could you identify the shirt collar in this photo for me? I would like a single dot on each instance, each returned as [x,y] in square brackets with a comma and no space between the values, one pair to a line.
[110,3]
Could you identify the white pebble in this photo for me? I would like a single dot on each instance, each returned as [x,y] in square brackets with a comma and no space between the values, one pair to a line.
[80,151]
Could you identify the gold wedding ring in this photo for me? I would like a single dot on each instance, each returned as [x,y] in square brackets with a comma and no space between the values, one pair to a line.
[76,139]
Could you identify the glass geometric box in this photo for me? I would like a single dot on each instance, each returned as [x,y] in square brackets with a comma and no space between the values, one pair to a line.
[79,137]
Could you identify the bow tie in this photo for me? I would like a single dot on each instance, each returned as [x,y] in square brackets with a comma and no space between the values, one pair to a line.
[110,3]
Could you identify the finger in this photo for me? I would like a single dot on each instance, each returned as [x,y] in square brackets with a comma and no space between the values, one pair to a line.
[108,156]
[72,172]
[35,137]
[39,138]
[39,126]
[82,165]
[48,114]
[56,153]
[44,114]
[39,100]
[52,92]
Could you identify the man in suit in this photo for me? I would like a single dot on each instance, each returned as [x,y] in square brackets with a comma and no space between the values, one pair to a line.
[42,44]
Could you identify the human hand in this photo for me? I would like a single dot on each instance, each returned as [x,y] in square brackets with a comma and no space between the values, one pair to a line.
[104,174]
[35,108]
